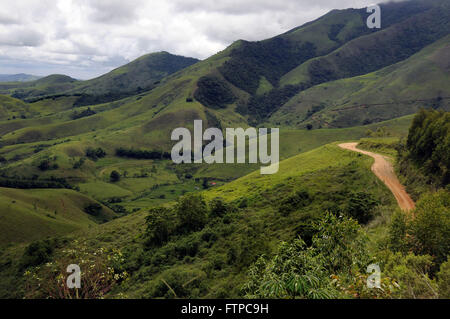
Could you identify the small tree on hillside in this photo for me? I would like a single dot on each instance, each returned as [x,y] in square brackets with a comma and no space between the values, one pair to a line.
[114,177]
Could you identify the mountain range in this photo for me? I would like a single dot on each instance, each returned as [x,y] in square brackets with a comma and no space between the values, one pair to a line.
[332,79]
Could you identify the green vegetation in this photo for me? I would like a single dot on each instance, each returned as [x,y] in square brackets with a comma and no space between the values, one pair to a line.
[134,78]
[214,93]
[423,159]
[97,183]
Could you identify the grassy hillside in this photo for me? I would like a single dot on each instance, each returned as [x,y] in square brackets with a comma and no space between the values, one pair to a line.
[139,75]
[220,253]
[11,109]
[135,77]
[367,53]
[145,183]
[74,145]
[399,89]
[28,215]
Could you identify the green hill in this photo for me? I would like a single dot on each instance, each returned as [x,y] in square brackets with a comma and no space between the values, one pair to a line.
[137,76]
[66,145]
[400,89]
[28,215]
[221,253]
[11,108]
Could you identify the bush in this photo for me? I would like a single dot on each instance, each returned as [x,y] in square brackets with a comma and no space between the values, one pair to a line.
[79,163]
[218,207]
[95,154]
[160,225]
[191,212]
[44,165]
[429,232]
[411,273]
[430,229]
[37,253]
[93,209]
[444,280]
[297,200]
[114,176]
[142,154]
[298,271]
[360,206]
[428,143]
[101,270]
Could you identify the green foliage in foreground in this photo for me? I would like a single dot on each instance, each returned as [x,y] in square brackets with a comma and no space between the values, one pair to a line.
[298,271]
[429,231]
[424,160]
[429,143]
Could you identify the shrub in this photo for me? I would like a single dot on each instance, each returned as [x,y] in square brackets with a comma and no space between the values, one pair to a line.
[430,229]
[360,206]
[160,225]
[191,212]
[95,154]
[218,207]
[114,176]
[101,270]
[37,253]
[293,202]
[428,143]
[93,209]
[444,280]
[79,163]
[142,154]
[44,165]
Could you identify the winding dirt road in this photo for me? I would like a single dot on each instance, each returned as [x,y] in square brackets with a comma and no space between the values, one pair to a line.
[385,172]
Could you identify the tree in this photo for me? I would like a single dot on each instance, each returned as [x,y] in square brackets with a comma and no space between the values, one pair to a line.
[397,232]
[218,207]
[191,212]
[360,206]
[294,272]
[93,209]
[44,165]
[298,271]
[114,177]
[160,225]
[430,229]
[444,280]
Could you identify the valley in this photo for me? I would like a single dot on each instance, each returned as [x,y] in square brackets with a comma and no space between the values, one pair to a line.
[87,168]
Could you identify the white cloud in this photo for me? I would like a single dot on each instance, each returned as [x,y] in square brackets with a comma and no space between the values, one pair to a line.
[85,38]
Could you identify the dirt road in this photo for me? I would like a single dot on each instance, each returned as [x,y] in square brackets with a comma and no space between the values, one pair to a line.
[385,172]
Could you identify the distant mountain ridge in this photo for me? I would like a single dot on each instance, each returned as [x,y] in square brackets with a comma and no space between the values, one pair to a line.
[135,77]
[20,77]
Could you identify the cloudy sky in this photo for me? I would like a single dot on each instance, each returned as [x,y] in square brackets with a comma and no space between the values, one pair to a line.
[86,38]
